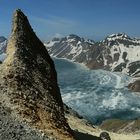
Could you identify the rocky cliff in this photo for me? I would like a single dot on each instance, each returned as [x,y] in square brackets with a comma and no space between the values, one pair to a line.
[30,102]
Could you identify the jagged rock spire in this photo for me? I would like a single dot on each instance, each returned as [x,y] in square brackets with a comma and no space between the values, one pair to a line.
[30,81]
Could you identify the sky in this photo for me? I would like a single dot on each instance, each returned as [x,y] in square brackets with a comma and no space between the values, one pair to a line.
[93,19]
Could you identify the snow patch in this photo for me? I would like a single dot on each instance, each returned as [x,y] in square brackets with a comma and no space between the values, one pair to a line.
[50,43]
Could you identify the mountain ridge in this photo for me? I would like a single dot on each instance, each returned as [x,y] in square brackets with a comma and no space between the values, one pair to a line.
[115,53]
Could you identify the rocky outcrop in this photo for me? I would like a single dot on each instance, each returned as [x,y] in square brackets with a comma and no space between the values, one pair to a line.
[29,93]
[135,86]
[105,136]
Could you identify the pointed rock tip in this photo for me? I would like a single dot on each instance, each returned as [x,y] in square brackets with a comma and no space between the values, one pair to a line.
[18,14]
[18,11]
[20,22]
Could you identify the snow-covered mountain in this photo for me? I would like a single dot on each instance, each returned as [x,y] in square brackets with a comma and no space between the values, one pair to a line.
[121,53]
[3,44]
[71,47]
[117,52]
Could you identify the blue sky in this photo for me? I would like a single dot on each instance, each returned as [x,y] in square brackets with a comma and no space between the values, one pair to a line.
[94,19]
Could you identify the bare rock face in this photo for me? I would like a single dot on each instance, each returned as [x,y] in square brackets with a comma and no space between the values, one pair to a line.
[135,86]
[28,83]
[105,136]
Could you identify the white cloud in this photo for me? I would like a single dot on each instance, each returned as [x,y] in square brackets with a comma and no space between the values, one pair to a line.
[56,22]
[53,26]
[57,35]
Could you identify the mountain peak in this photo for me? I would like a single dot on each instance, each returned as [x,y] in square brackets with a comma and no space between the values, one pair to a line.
[19,20]
[120,36]
[18,12]
[29,82]
[73,36]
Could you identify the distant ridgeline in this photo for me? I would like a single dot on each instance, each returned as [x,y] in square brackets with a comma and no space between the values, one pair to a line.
[117,52]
